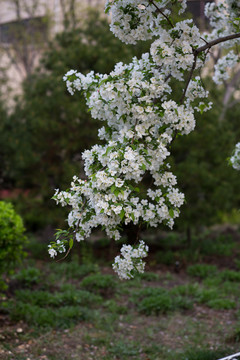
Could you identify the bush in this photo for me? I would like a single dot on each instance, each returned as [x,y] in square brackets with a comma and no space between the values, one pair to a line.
[230,275]
[190,290]
[73,270]
[164,303]
[147,292]
[165,257]
[148,276]
[115,308]
[155,305]
[57,299]
[28,276]
[99,282]
[207,295]
[12,239]
[202,271]
[221,304]
[34,315]
[205,354]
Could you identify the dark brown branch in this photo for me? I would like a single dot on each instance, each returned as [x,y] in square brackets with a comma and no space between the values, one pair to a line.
[161,12]
[189,78]
[64,256]
[215,42]
[167,77]
[197,51]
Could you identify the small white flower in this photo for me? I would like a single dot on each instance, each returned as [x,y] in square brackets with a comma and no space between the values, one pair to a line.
[52,252]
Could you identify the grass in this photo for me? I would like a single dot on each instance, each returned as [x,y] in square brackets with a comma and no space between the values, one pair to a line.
[73,270]
[201,271]
[39,317]
[28,276]
[72,308]
[56,299]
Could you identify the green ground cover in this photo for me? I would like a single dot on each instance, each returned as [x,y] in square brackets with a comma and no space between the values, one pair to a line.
[78,309]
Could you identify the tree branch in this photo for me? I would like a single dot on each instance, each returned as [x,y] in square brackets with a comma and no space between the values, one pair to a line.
[161,12]
[189,78]
[197,51]
[215,42]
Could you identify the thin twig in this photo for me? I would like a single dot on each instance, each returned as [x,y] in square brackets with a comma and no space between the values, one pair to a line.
[162,13]
[64,256]
[189,78]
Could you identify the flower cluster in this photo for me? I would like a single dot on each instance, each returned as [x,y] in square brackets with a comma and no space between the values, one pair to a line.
[174,49]
[131,260]
[235,159]
[224,20]
[224,66]
[133,20]
[128,177]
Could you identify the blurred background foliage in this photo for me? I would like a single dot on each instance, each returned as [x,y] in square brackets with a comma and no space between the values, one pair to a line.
[200,162]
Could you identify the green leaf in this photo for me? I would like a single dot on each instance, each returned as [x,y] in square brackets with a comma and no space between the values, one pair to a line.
[117,191]
[113,188]
[171,213]
[107,9]
[122,214]
[71,243]
[201,108]
[109,148]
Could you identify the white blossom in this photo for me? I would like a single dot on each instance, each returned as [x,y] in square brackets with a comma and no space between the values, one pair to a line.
[235,158]
[131,260]
[142,115]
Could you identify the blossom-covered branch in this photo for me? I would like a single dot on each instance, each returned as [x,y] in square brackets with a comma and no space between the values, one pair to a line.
[141,116]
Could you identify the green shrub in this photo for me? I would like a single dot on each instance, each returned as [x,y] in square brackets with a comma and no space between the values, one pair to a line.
[99,283]
[113,307]
[195,354]
[221,304]
[165,257]
[230,275]
[220,246]
[147,292]
[206,295]
[183,303]
[12,239]
[228,287]
[73,270]
[39,298]
[37,249]
[154,305]
[214,281]
[190,290]
[69,297]
[47,317]
[164,303]
[202,271]
[28,276]
[148,276]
